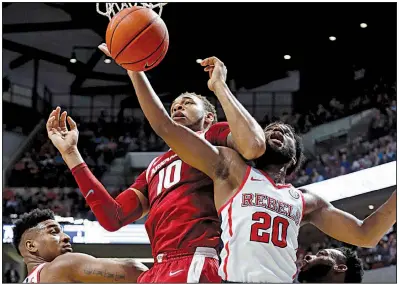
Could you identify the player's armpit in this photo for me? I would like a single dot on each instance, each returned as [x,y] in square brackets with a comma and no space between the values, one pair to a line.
[346,227]
[77,267]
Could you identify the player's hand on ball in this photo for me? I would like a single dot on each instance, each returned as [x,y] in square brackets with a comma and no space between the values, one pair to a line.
[217,71]
[63,139]
[103,47]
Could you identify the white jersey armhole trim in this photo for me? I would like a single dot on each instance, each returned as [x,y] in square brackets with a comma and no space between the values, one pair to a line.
[248,171]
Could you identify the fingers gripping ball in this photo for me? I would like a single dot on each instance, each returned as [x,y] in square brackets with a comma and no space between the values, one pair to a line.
[137,38]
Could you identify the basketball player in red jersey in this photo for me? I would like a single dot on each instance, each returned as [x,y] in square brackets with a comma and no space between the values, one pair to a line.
[183,226]
[261,215]
[48,255]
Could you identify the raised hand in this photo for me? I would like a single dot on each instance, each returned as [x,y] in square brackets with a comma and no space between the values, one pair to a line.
[63,139]
[217,71]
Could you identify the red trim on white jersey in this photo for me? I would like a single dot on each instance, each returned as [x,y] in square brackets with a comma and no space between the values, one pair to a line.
[238,190]
[277,186]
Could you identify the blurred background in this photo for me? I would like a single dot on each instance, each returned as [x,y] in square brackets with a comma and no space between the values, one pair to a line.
[328,69]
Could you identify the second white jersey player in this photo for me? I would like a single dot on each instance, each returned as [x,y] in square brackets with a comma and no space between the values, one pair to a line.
[260,226]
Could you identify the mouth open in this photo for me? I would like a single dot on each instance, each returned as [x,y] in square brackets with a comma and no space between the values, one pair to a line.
[277,138]
[178,115]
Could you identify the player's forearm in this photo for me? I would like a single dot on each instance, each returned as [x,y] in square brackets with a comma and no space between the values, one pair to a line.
[150,103]
[247,134]
[377,224]
[111,214]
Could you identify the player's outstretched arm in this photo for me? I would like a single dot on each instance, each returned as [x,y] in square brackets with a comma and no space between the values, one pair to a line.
[247,136]
[111,213]
[346,227]
[78,267]
[192,149]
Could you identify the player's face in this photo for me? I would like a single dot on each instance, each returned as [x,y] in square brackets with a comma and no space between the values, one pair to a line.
[51,241]
[189,110]
[322,267]
[280,144]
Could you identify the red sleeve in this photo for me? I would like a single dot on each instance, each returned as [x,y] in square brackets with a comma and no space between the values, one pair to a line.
[141,184]
[217,134]
[112,214]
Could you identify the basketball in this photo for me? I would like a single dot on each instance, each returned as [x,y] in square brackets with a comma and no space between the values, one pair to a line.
[137,38]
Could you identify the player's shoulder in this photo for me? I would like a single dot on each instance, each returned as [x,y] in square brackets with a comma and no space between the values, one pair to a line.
[68,260]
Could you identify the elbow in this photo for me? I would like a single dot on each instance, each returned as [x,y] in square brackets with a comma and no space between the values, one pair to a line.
[254,150]
[111,228]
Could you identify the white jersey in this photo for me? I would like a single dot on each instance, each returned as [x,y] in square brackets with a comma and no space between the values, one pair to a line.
[260,226]
[34,276]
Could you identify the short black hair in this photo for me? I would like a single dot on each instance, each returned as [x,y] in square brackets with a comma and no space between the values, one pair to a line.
[354,274]
[300,157]
[28,221]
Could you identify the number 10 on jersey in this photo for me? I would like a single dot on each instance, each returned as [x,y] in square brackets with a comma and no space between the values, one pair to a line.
[169,176]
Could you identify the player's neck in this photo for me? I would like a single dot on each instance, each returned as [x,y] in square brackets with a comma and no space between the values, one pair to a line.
[31,264]
[276,172]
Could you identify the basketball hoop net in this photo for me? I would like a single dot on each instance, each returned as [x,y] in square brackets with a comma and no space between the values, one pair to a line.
[111,9]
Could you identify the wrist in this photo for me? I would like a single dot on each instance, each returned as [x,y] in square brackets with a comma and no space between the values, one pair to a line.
[72,157]
[219,84]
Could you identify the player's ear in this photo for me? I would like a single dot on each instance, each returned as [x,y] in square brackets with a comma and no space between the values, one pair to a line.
[293,161]
[209,118]
[340,268]
[31,246]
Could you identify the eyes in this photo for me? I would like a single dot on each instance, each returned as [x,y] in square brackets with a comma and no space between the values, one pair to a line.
[184,103]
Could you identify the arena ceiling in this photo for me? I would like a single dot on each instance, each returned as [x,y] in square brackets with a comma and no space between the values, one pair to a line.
[251,38]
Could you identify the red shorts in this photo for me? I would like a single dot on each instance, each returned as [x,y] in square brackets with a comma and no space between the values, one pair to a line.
[199,267]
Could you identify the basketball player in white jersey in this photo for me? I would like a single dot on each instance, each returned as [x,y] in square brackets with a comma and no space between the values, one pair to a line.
[340,265]
[261,215]
[47,253]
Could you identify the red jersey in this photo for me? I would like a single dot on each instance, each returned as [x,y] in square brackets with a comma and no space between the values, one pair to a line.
[182,211]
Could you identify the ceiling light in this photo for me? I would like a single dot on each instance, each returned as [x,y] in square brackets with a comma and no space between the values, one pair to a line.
[371,207]
[73,57]
[363,25]
[332,38]
[107,60]
[287,57]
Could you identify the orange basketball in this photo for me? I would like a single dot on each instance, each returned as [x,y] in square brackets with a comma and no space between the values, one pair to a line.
[137,38]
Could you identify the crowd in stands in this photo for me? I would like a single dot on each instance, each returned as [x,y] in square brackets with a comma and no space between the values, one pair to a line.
[11,274]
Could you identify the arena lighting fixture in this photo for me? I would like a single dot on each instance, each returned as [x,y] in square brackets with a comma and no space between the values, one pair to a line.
[73,57]
[332,38]
[287,57]
[363,25]
[107,60]
[371,207]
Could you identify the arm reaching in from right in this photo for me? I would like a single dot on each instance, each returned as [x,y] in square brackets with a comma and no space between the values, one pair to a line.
[111,213]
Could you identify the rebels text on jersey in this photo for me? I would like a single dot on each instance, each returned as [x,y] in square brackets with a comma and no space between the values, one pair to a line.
[182,212]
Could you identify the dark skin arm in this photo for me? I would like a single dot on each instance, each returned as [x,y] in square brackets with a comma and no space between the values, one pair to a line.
[346,227]
[78,267]
[247,136]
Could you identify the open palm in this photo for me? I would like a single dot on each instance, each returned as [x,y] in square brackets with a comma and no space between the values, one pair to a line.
[216,69]
[63,139]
